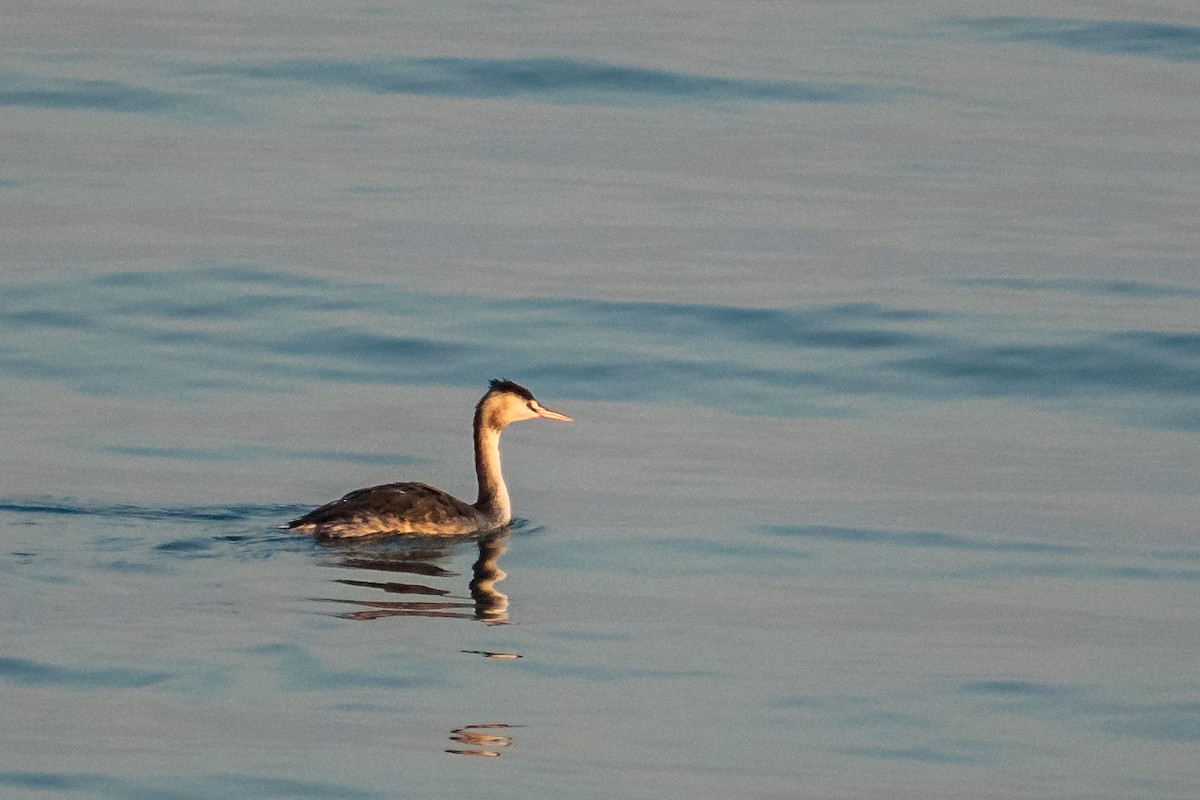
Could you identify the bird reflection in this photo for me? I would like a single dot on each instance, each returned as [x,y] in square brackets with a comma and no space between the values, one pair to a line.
[490,604]
[404,557]
[480,740]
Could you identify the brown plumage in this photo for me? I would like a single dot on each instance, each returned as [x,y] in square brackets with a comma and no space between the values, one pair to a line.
[422,509]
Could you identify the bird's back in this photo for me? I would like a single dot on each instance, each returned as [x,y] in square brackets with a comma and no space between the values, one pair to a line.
[392,508]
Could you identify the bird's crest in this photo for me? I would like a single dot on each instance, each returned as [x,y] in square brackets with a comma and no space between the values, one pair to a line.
[505,385]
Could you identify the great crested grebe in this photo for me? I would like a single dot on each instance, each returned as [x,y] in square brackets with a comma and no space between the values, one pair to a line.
[419,508]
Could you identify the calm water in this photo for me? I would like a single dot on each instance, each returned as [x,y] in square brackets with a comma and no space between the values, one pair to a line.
[881,330]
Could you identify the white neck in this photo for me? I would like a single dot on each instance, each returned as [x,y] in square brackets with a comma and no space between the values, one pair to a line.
[493,494]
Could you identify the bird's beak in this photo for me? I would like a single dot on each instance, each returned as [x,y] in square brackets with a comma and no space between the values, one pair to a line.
[546,413]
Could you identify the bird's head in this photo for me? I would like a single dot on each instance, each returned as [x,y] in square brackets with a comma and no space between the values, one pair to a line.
[507,402]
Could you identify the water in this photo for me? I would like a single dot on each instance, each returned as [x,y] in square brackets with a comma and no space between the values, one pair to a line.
[879,330]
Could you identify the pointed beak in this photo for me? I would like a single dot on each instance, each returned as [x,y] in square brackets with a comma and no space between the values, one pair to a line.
[546,413]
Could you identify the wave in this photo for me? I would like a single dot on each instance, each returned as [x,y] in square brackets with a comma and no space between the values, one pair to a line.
[1088,286]
[244,452]
[198,332]
[1131,361]
[1109,37]
[1016,558]
[85,94]
[1167,721]
[925,539]
[552,79]
[37,673]
[69,507]
[182,786]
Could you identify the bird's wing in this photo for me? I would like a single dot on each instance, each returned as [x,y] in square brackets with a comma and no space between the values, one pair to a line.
[392,507]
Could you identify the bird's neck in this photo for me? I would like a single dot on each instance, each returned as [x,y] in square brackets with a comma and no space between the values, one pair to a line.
[493,494]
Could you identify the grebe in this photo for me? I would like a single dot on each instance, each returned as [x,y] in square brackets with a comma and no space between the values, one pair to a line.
[419,508]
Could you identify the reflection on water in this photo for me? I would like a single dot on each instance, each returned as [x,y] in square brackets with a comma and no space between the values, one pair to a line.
[500,655]
[490,604]
[404,556]
[480,739]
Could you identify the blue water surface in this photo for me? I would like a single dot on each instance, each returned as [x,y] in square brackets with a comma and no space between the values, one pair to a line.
[879,332]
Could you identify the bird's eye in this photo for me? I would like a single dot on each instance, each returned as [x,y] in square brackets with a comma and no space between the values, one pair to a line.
[531,407]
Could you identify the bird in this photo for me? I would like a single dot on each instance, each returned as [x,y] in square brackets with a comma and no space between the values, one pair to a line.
[417,508]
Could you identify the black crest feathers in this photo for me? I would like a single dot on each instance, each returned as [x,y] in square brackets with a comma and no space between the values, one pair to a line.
[505,385]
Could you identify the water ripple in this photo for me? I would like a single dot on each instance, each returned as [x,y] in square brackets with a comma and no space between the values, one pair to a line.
[1108,37]
[1015,688]
[179,787]
[1124,361]
[550,79]
[210,330]
[36,673]
[244,452]
[930,539]
[1101,287]
[1161,721]
[958,752]
[81,94]
[69,507]
[302,671]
